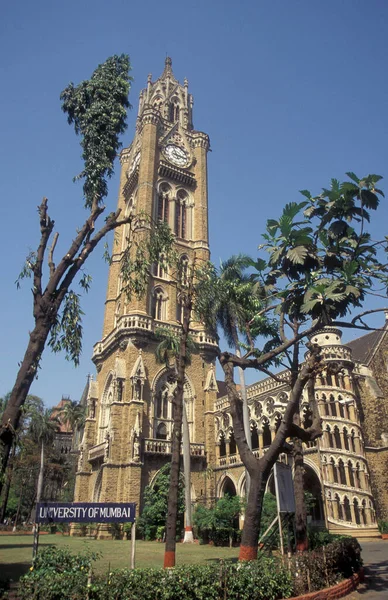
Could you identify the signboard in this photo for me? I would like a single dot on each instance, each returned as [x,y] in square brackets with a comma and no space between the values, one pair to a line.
[284,486]
[85,512]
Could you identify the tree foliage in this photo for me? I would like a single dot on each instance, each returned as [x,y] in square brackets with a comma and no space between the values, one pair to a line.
[97,108]
[153,517]
[319,264]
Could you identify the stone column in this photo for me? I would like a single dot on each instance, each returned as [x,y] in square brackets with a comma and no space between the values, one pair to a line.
[260,438]
[273,433]
[352,512]
[335,509]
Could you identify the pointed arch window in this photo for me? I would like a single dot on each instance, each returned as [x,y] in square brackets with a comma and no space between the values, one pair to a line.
[173,113]
[181,214]
[341,468]
[337,438]
[266,434]
[161,432]
[160,268]
[222,445]
[254,438]
[232,444]
[162,404]
[333,406]
[158,304]
[351,475]
[163,202]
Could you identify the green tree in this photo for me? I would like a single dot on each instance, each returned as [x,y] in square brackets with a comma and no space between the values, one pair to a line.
[73,415]
[221,522]
[153,517]
[97,109]
[321,264]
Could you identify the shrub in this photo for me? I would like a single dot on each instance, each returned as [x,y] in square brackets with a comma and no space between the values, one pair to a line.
[325,566]
[58,574]
[55,574]
[383,526]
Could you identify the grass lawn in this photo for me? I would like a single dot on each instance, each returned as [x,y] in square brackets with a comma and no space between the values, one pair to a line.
[16,552]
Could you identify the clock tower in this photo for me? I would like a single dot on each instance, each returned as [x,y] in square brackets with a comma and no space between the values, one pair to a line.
[129,422]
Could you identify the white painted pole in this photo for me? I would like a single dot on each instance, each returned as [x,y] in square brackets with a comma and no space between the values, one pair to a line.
[133,544]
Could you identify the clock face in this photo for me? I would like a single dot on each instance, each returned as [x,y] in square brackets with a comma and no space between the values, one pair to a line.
[178,156]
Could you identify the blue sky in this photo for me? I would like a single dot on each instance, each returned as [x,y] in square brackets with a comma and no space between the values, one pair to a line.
[291,92]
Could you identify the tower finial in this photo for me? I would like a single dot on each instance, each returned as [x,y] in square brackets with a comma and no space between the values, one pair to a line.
[167,67]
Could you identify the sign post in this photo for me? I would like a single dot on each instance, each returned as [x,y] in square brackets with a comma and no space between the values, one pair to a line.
[285,498]
[86,512]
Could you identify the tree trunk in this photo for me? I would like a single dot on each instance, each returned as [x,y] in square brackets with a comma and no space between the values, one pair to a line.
[39,491]
[245,411]
[187,472]
[300,505]
[24,379]
[172,500]
[259,469]
[7,485]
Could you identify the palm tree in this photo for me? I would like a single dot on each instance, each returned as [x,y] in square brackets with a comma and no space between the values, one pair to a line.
[72,414]
[43,427]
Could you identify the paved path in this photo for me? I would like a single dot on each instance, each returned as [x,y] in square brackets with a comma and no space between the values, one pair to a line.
[375,556]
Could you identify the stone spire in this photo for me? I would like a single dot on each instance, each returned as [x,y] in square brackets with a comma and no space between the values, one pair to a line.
[167,68]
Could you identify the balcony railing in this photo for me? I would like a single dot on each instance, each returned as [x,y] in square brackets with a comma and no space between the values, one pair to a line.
[154,446]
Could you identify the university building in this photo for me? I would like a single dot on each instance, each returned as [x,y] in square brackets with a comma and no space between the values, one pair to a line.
[128,428]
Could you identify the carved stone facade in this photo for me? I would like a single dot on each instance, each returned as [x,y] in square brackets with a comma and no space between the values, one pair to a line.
[128,429]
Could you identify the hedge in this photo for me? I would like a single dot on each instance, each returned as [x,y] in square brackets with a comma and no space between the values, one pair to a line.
[58,574]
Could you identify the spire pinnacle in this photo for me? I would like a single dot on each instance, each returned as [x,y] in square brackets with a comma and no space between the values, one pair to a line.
[167,67]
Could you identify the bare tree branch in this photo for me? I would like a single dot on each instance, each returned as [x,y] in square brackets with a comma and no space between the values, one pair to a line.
[51,254]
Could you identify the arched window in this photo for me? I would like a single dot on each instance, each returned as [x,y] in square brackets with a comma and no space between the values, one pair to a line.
[357,476]
[162,403]
[337,437]
[159,268]
[346,438]
[266,434]
[334,469]
[232,444]
[173,113]
[327,407]
[181,214]
[357,514]
[363,512]
[163,202]
[222,445]
[254,438]
[158,304]
[341,468]
[352,442]
[330,436]
[348,514]
[350,471]
[339,507]
[333,406]
[161,432]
